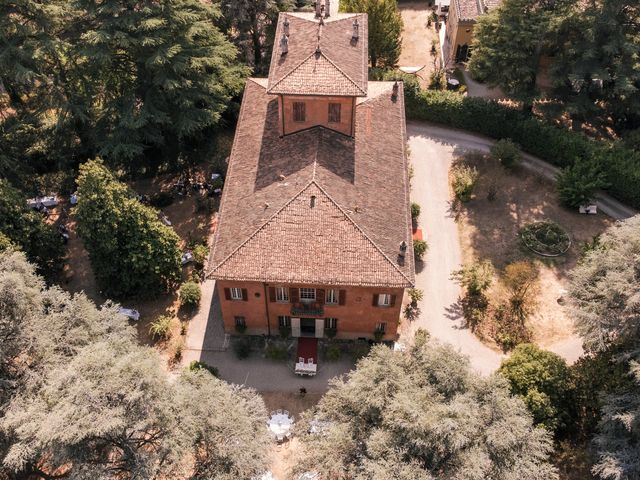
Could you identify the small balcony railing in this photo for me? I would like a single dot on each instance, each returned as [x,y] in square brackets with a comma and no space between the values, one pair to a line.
[307,309]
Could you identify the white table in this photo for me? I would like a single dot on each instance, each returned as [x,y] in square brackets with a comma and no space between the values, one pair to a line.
[280,425]
[306,368]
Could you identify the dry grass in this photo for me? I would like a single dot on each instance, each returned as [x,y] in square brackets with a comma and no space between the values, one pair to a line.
[417,38]
[489,230]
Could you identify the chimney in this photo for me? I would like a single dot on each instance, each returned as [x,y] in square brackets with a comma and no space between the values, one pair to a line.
[403,248]
[327,8]
[286,26]
[394,93]
[318,8]
[356,29]
[284,45]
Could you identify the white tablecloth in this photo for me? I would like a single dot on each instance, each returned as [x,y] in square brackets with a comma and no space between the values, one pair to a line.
[280,425]
[306,368]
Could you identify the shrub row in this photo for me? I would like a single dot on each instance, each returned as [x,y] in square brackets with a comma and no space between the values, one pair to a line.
[556,145]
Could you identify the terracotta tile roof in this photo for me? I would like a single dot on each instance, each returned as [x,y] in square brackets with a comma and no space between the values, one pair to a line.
[317,75]
[365,176]
[311,240]
[334,38]
[472,9]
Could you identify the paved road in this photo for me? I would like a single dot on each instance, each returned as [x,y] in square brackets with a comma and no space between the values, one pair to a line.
[432,148]
[430,188]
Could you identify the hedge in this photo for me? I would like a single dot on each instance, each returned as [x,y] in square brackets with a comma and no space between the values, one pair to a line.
[556,145]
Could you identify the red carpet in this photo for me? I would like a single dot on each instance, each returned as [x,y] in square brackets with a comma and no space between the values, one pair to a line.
[307,348]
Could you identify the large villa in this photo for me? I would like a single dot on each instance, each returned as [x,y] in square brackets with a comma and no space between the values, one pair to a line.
[314,234]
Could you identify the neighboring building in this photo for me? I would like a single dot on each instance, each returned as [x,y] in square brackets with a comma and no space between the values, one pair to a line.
[459,35]
[314,232]
[442,7]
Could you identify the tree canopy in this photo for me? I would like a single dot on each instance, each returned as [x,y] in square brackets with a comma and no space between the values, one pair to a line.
[126,79]
[618,454]
[604,290]
[423,414]
[131,250]
[543,380]
[27,230]
[92,403]
[385,29]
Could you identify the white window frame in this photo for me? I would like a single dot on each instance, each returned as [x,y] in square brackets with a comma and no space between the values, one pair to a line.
[332,296]
[381,327]
[236,293]
[384,300]
[282,294]
[284,321]
[306,294]
[330,323]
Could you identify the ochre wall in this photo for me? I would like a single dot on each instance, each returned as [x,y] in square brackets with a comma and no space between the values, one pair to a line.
[356,318]
[317,113]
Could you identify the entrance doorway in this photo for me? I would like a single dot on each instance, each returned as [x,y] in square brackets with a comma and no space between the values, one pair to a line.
[308,327]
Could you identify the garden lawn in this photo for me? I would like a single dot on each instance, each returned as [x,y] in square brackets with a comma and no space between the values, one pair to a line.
[489,230]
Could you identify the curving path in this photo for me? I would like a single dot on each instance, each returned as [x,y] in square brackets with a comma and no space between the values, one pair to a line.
[432,149]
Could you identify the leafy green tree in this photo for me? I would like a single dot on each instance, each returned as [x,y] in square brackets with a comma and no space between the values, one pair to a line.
[595,68]
[94,403]
[617,440]
[128,79]
[423,414]
[543,380]
[605,287]
[476,277]
[252,26]
[578,183]
[507,44]
[27,229]
[385,29]
[190,294]
[131,251]
[506,152]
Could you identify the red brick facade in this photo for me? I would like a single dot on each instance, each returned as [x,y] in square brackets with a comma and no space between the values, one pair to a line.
[356,309]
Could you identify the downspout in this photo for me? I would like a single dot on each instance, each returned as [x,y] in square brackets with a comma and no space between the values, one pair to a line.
[266,308]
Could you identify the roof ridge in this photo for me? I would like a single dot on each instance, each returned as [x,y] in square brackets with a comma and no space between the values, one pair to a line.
[320,52]
[360,230]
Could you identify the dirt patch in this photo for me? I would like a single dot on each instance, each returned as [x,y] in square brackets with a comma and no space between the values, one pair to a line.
[417,39]
[489,230]
[285,454]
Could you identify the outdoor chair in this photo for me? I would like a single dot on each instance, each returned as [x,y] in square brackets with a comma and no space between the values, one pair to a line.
[310,361]
[286,412]
[300,360]
[279,411]
[272,414]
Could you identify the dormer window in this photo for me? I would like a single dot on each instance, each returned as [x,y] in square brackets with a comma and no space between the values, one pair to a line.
[299,113]
[334,113]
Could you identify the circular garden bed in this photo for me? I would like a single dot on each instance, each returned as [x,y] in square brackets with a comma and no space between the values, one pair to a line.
[545,238]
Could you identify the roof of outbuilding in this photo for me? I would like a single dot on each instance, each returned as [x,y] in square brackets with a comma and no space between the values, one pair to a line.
[472,9]
[265,232]
[343,60]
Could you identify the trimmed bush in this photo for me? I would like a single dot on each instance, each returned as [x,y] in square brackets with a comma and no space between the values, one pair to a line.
[415,212]
[333,353]
[200,253]
[190,294]
[242,348]
[463,181]
[556,145]
[506,152]
[419,249]
[578,183]
[195,365]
